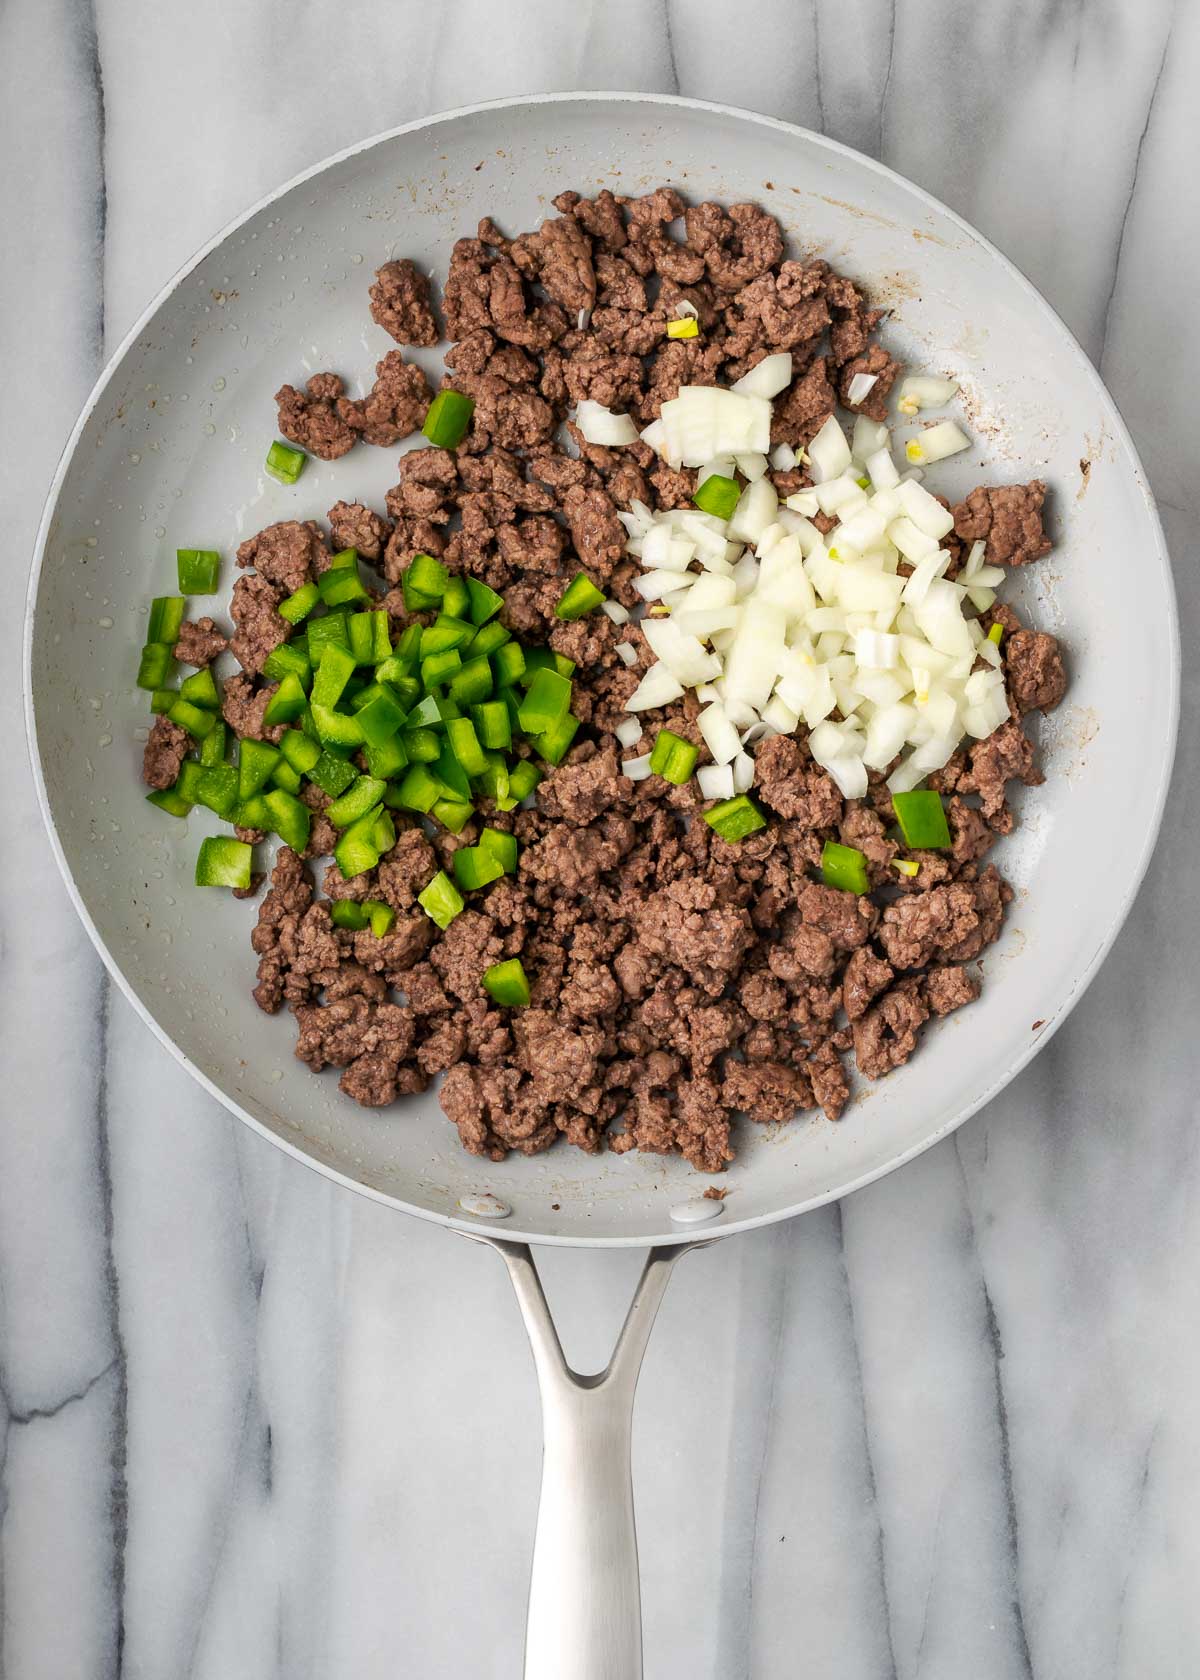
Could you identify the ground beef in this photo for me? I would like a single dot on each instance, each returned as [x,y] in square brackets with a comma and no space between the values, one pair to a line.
[164,753]
[289,554]
[1008,518]
[676,980]
[1005,756]
[865,977]
[793,785]
[886,1036]
[394,407]
[400,303]
[354,526]
[243,708]
[1034,669]
[876,363]
[312,417]
[199,642]
[258,628]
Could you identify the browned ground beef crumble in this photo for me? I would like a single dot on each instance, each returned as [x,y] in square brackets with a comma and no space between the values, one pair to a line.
[676,979]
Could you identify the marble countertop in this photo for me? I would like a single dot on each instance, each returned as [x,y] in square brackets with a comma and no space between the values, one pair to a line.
[252,1425]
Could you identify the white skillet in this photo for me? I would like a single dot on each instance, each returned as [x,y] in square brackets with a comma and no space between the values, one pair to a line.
[168,452]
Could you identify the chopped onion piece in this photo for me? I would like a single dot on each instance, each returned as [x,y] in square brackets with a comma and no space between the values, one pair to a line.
[915,544]
[782,457]
[981,599]
[683,655]
[868,437]
[707,420]
[779,715]
[829,452]
[719,734]
[928,568]
[655,435]
[862,530]
[652,586]
[716,780]
[629,731]
[887,732]
[721,466]
[600,425]
[663,551]
[637,769]
[876,650]
[615,611]
[768,377]
[840,494]
[743,773]
[936,443]
[752,466]
[755,511]
[925,511]
[706,621]
[884,473]
[627,653]
[924,390]
[740,714]
[745,575]
[860,387]
[657,688]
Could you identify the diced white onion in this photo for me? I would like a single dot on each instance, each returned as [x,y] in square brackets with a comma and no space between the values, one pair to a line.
[753,661]
[935,443]
[615,611]
[768,377]
[924,390]
[860,388]
[829,452]
[657,688]
[719,734]
[755,511]
[716,780]
[884,473]
[600,425]
[876,649]
[868,437]
[655,435]
[925,511]
[858,635]
[652,586]
[683,655]
[721,466]
[703,622]
[779,716]
[637,769]
[707,420]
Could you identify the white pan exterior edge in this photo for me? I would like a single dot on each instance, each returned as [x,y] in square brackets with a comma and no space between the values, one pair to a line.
[168,453]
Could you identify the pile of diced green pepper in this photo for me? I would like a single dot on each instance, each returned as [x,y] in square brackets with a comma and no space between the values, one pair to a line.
[438,717]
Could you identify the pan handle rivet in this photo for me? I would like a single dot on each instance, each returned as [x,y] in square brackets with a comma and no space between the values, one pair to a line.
[485,1207]
[696,1211]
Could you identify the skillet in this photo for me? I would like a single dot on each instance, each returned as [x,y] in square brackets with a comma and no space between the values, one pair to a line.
[168,452]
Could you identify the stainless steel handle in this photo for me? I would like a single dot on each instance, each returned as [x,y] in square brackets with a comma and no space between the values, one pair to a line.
[585,1613]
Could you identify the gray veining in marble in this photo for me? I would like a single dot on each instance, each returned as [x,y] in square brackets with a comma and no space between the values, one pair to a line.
[252,1426]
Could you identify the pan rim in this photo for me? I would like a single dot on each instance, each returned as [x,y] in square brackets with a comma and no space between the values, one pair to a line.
[1133,878]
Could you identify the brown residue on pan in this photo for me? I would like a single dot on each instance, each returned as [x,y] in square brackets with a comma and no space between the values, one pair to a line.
[714,1193]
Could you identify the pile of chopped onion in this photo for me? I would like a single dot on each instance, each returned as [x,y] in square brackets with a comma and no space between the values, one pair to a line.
[775,626]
